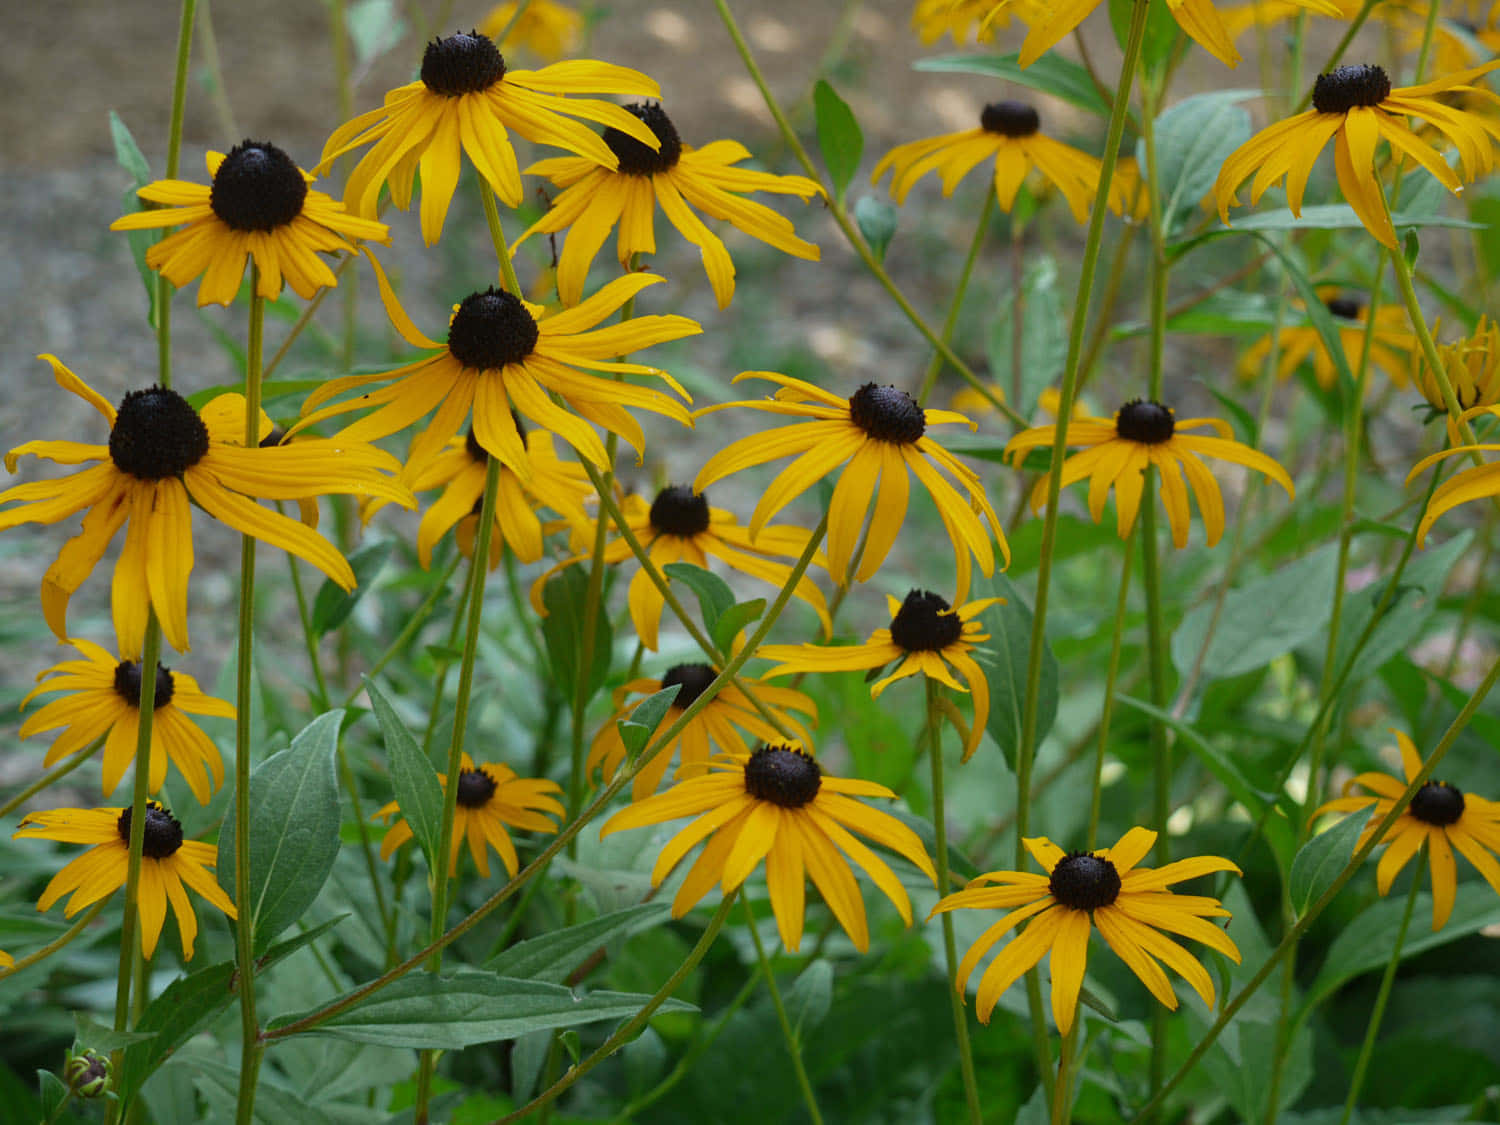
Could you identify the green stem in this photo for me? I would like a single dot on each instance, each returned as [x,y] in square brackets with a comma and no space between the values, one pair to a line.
[419,617]
[174,155]
[71,763]
[788,1035]
[218,94]
[1062,1091]
[56,943]
[130,923]
[1161,748]
[981,228]
[508,277]
[1107,708]
[950,946]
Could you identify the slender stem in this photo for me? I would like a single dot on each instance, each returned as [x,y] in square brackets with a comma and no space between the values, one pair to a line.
[1107,708]
[1161,747]
[309,638]
[208,42]
[1062,1091]
[788,1034]
[71,763]
[445,663]
[56,943]
[419,617]
[497,236]
[981,228]
[174,154]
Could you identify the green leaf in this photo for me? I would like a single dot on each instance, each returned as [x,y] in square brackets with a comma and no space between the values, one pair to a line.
[1214,760]
[1044,344]
[375,26]
[636,731]
[714,595]
[810,997]
[734,619]
[1050,74]
[564,596]
[1323,858]
[451,1012]
[294,829]
[838,136]
[1318,216]
[129,157]
[553,956]
[958,863]
[333,605]
[418,791]
[877,219]
[1004,658]
[1193,139]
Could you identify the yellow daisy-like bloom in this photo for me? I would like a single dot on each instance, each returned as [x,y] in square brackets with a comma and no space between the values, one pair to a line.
[1356,106]
[259,206]
[105,699]
[1439,815]
[1240,18]
[675,176]
[168,862]
[778,805]
[1473,368]
[932,19]
[878,435]
[1147,433]
[1010,133]
[467,102]
[1474,483]
[1130,906]
[490,798]
[926,635]
[163,456]
[546,28]
[1393,349]
[718,725]
[679,526]
[505,354]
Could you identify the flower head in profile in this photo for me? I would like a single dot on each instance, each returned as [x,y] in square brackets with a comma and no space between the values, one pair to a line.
[879,436]
[1132,907]
[778,804]
[676,177]
[103,700]
[170,867]
[1356,107]
[491,798]
[505,356]
[1442,816]
[1393,349]
[680,526]
[467,102]
[926,635]
[1117,453]
[259,205]
[1472,365]
[932,19]
[717,726]
[163,457]
[1474,483]
[547,29]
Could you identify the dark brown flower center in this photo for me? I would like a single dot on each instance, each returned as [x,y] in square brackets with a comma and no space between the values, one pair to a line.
[163,832]
[475,788]
[1346,87]
[925,623]
[461,64]
[693,680]
[783,775]
[128,684]
[258,187]
[887,414]
[491,329]
[157,434]
[1438,803]
[1010,119]
[1348,308]
[1084,881]
[678,510]
[637,159]
[1149,423]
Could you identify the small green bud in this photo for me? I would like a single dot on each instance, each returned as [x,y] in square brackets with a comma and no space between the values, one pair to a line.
[87,1073]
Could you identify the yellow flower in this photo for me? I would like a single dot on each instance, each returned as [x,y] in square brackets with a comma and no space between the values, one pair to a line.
[925,632]
[167,863]
[1473,368]
[1393,348]
[778,805]
[468,101]
[1474,483]
[878,435]
[546,28]
[679,526]
[718,724]
[504,354]
[104,699]
[490,798]
[1129,905]
[1439,815]
[163,456]
[6,960]
[932,19]
[1147,433]
[1356,106]
[259,206]
[678,178]
[1240,18]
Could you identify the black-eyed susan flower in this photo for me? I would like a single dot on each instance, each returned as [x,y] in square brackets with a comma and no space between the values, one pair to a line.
[1355,106]
[1132,908]
[676,177]
[491,798]
[879,436]
[170,867]
[932,19]
[104,699]
[467,102]
[1240,18]
[716,727]
[504,354]
[259,206]
[547,29]
[162,457]
[1440,815]
[926,635]
[1118,451]
[779,805]
[680,526]
[1393,348]
[1472,365]
[1008,132]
